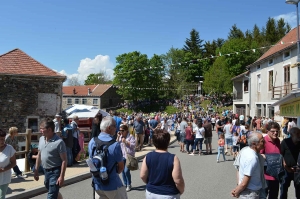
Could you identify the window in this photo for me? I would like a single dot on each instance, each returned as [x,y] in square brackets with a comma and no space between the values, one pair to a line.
[95,101]
[77,101]
[258,110]
[258,83]
[270,62]
[257,67]
[246,84]
[69,101]
[287,74]
[286,54]
[270,80]
[84,101]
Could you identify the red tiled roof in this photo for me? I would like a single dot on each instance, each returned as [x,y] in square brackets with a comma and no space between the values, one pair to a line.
[16,62]
[287,43]
[97,90]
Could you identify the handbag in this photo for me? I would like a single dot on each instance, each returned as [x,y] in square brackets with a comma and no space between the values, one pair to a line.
[274,167]
[131,162]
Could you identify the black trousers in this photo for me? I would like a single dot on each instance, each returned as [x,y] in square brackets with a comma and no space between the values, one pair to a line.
[76,147]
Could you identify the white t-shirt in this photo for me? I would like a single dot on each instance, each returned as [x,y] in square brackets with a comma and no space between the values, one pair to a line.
[228,134]
[233,122]
[213,120]
[199,132]
[234,140]
[249,165]
[5,155]
[241,117]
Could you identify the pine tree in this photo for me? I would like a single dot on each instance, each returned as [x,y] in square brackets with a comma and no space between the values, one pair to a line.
[271,31]
[281,28]
[235,33]
[194,43]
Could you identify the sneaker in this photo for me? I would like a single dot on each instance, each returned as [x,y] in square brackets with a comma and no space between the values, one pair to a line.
[128,188]
[191,154]
[22,176]
[218,161]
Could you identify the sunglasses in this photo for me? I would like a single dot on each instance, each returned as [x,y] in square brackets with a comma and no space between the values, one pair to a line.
[122,130]
[274,131]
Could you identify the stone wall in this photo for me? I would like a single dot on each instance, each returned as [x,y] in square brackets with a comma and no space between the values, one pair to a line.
[21,97]
[110,95]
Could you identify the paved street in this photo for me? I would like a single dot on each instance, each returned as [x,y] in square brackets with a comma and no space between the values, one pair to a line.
[204,178]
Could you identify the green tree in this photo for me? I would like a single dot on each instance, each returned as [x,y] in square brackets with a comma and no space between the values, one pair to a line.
[194,43]
[175,71]
[235,33]
[131,76]
[97,78]
[217,79]
[238,59]
[271,31]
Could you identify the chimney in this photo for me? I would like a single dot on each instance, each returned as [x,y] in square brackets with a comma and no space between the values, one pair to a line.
[89,91]
[74,91]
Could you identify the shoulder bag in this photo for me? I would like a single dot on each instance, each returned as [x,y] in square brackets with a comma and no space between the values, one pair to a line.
[131,162]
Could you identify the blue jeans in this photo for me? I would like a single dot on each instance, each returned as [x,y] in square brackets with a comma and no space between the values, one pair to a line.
[41,170]
[69,157]
[50,182]
[200,141]
[126,174]
[286,182]
[188,143]
[221,150]
[17,170]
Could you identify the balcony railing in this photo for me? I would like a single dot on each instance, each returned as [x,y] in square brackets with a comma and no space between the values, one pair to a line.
[281,91]
[237,95]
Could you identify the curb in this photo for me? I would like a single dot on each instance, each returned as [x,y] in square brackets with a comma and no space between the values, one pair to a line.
[41,190]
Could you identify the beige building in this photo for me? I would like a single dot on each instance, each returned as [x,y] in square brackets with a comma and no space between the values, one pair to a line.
[269,79]
[102,96]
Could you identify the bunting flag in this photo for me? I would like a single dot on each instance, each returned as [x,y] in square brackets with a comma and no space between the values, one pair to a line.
[210,57]
[138,88]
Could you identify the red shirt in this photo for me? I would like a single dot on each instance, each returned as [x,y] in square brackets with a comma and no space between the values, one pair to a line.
[188,133]
[270,147]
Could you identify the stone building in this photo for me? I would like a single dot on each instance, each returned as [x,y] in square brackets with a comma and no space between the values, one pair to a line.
[29,91]
[102,96]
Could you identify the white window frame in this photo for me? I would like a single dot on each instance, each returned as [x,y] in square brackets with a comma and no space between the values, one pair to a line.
[258,67]
[84,101]
[258,82]
[76,100]
[95,99]
[272,63]
[68,100]
[288,57]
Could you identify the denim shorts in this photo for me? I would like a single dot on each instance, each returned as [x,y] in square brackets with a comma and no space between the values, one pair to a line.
[235,148]
[51,177]
[228,141]
[182,137]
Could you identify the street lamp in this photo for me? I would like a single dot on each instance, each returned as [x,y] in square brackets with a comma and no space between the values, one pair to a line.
[295,2]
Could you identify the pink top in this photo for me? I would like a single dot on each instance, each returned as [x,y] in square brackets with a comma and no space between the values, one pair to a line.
[221,142]
[270,147]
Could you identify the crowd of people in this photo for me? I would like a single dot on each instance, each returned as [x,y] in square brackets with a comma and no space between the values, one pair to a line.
[253,144]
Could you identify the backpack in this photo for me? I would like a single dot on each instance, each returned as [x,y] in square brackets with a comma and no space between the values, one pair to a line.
[99,159]
[244,136]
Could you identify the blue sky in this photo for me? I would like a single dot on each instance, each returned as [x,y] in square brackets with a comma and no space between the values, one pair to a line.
[82,37]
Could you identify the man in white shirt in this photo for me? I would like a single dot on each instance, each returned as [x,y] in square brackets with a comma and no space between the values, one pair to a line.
[250,174]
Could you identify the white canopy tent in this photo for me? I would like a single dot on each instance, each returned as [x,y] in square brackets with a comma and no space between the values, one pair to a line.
[84,111]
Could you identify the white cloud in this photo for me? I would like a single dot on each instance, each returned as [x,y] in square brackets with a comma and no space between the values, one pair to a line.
[291,18]
[87,66]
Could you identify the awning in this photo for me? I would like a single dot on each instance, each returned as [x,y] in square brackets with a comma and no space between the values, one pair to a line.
[289,105]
